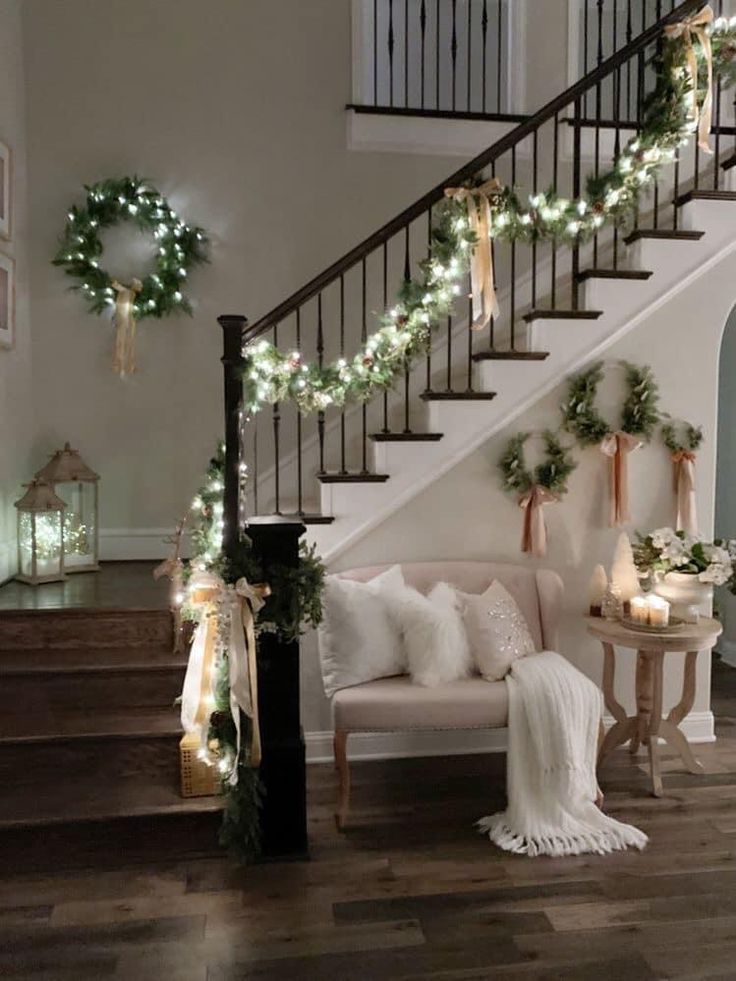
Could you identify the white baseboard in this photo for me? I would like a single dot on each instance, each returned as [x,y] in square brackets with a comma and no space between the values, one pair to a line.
[118,544]
[698,727]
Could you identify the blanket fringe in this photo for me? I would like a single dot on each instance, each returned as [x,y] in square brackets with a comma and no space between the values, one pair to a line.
[616,837]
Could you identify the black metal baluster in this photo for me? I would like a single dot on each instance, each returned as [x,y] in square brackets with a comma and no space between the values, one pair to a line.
[320,362]
[299,474]
[254,470]
[407,373]
[499,56]
[629,34]
[375,52]
[453,52]
[343,468]
[553,243]
[437,54]
[535,181]
[448,385]
[470,50]
[363,337]
[406,53]
[616,147]
[469,368]
[598,101]
[429,345]
[484,39]
[513,260]
[391,41]
[423,38]
[717,148]
[276,440]
[492,321]
[385,302]
[576,164]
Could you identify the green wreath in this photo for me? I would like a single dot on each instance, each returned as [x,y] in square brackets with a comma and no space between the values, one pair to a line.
[551,473]
[180,246]
[688,439]
[639,413]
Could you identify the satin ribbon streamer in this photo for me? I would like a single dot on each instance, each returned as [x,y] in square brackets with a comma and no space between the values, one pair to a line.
[241,601]
[483,290]
[697,25]
[124,358]
[534,535]
[617,446]
[684,474]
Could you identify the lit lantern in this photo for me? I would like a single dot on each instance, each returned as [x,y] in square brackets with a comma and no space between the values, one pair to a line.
[77,485]
[40,534]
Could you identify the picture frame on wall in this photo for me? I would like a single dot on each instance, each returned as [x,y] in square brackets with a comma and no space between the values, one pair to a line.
[5,191]
[7,301]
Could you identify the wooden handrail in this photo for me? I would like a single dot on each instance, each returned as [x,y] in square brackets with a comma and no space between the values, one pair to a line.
[469,170]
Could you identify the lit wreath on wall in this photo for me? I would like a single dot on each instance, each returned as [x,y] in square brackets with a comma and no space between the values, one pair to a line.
[180,246]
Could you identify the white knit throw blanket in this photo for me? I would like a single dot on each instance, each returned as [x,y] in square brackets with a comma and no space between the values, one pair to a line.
[554,714]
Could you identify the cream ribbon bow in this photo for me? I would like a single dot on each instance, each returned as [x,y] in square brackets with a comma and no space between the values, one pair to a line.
[209,592]
[684,474]
[124,319]
[617,446]
[483,290]
[534,535]
[697,26]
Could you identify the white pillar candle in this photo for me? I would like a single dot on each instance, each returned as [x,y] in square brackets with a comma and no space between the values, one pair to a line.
[639,609]
[659,611]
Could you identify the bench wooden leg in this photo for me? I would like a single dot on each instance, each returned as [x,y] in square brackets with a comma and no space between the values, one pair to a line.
[343,769]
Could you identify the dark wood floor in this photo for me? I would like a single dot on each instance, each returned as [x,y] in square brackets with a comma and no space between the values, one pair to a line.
[410,891]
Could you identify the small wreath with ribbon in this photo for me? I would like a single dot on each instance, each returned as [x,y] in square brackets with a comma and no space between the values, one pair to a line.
[639,416]
[543,485]
[683,441]
[180,246]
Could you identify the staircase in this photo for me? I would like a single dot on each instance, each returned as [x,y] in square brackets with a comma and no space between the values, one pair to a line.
[89,732]
[342,472]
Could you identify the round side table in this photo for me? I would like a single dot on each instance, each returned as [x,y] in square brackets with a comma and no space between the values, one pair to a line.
[647,725]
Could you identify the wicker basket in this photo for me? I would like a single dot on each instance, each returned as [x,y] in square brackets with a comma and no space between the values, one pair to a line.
[198,779]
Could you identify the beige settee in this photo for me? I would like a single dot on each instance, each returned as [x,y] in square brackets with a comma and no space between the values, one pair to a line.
[396,704]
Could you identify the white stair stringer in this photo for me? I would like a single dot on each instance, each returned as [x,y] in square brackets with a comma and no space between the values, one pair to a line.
[625,304]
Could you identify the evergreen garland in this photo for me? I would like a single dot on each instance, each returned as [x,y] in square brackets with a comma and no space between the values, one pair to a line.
[180,246]
[405,331]
[551,473]
[639,413]
[688,440]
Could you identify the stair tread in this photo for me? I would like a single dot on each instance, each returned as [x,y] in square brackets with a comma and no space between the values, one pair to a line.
[457,396]
[83,800]
[61,659]
[542,314]
[595,273]
[118,586]
[510,355]
[45,665]
[406,437]
[729,162]
[676,234]
[352,478]
[704,194]
[131,723]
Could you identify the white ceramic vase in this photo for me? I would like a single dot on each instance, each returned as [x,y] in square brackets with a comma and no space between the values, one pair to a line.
[686,595]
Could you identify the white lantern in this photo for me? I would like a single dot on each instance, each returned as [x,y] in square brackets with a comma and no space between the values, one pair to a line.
[40,535]
[77,485]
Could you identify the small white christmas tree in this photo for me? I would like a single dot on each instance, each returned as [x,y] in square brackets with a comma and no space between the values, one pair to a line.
[623,570]
[597,589]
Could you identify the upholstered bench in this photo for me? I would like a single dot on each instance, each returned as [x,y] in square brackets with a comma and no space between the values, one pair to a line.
[397,705]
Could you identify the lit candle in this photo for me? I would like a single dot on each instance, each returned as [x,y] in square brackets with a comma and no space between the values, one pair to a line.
[659,611]
[639,609]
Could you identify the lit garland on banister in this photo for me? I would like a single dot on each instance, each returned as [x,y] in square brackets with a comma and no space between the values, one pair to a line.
[273,376]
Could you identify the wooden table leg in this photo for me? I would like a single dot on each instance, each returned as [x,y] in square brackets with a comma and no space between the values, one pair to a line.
[655,721]
[625,727]
[670,729]
[644,699]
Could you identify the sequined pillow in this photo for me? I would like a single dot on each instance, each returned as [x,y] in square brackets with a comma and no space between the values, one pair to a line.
[496,629]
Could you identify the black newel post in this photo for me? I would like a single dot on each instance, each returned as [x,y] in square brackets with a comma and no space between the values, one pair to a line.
[275,542]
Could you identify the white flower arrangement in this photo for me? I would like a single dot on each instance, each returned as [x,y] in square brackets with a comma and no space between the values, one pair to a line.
[666,550]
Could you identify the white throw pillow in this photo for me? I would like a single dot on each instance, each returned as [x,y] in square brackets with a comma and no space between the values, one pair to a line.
[358,639]
[436,644]
[497,631]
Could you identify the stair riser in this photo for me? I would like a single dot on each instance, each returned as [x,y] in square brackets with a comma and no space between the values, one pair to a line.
[607,294]
[41,765]
[65,629]
[44,693]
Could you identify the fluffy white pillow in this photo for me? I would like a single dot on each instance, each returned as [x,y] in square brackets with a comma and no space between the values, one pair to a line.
[496,629]
[436,644]
[358,639]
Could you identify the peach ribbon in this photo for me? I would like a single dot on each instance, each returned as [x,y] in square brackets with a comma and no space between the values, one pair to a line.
[697,26]
[124,319]
[243,600]
[684,475]
[483,290]
[534,535]
[617,446]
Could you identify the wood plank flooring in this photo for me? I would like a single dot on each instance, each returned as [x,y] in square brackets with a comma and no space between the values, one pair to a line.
[410,891]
